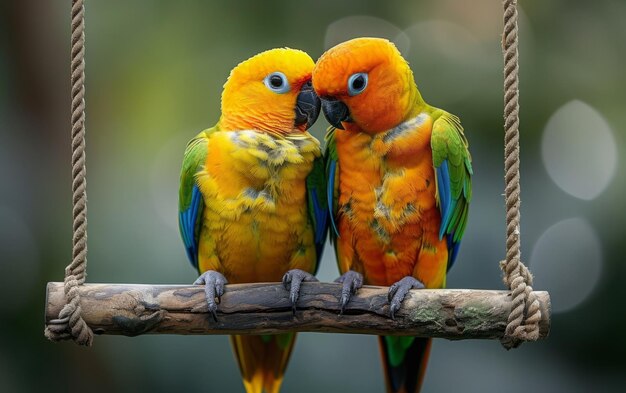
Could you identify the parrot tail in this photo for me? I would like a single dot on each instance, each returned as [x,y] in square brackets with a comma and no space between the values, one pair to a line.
[404,360]
[262,360]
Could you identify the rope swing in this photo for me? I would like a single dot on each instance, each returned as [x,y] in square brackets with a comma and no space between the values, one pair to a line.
[70,323]
[525,315]
[513,317]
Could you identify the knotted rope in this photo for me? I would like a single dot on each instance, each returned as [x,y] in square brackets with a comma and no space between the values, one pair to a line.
[523,324]
[70,324]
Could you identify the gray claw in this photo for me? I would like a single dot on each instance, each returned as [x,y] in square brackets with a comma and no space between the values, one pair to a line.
[351,281]
[213,289]
[398,291]
[292,281]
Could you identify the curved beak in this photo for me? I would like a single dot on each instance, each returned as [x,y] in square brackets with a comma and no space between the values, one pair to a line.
[335,112]
[307,106]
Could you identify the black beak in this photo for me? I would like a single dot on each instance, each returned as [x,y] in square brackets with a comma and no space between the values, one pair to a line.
[335,112]
[307,106]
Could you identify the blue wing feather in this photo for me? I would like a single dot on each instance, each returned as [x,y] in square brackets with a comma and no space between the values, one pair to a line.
[447,205]
[188,221]
[321,217]
[445,196]
[317,207]
[321,228]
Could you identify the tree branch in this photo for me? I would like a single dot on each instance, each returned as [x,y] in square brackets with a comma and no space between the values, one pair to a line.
[264,308]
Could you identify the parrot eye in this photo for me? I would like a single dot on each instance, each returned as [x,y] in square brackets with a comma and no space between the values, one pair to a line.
[357,83]
[277,82]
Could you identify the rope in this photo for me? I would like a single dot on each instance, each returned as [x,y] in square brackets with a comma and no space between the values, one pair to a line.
[523,323]
[70,324]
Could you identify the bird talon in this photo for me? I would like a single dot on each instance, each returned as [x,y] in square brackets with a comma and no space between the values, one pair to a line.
[392,292]
[292,280]
[293,297]
[213,289]
[351,282]
[345,298]
[286,280]
[213,310]
[397,293]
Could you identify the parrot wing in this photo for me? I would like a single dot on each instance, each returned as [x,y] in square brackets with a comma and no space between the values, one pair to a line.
[190,201]
[318,205]
[453,169]
[331,159]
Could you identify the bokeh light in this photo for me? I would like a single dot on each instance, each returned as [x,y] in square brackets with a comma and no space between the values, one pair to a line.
[578,150]
[447,38]
[438,47]
[365,26]
[567,262]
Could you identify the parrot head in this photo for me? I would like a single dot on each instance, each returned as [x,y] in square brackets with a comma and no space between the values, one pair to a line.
[366,85]
[271,92]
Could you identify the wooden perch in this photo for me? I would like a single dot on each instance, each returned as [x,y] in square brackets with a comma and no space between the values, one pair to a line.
[264,308]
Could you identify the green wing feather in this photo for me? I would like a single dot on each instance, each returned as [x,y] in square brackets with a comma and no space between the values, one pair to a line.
[453,168]
[190,202]
[318,205]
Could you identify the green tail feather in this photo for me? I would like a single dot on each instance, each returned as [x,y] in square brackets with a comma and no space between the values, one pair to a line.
[404,361]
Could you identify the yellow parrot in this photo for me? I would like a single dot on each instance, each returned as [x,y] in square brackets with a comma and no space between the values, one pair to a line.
[252,200]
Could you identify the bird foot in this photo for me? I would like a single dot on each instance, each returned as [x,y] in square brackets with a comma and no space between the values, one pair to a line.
[292,280]
[398,291]
[213,288]
[351,281]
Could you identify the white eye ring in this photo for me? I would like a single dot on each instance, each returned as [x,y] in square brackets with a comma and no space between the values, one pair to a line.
[357,83]
[277,82]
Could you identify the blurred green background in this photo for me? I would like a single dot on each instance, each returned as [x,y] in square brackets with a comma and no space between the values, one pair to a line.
[154,76]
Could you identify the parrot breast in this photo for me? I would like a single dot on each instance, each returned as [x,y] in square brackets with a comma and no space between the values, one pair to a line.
[254,189]
[387,212]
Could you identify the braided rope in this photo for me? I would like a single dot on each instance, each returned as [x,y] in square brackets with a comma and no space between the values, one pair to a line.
[70,324]
[523,323]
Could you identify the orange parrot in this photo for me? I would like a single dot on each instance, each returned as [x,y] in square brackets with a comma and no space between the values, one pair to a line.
[399,185]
